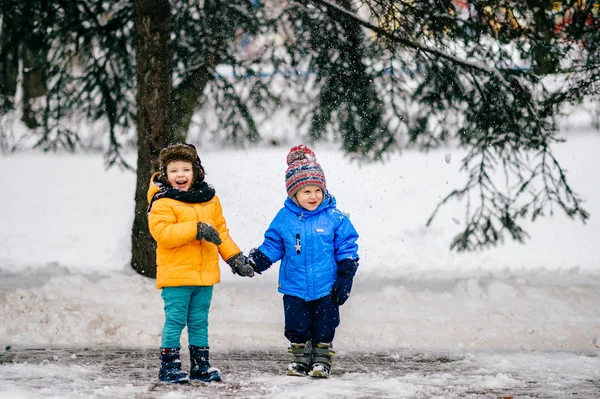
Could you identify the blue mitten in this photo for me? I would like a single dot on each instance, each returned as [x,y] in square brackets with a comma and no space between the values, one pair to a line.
[259,261]
[340,291]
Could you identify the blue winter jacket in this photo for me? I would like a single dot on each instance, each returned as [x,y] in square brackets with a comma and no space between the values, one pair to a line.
[309,245]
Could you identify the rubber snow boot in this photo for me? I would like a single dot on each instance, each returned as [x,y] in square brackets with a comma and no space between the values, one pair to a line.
[321,360]
[200,368]
[300,365]
[170,368]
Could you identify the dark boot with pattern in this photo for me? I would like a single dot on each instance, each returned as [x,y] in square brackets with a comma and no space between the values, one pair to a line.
[321,360]
[170,368]
[200,367]
[300,365]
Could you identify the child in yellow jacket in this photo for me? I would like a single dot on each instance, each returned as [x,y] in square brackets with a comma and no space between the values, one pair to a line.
[186,220]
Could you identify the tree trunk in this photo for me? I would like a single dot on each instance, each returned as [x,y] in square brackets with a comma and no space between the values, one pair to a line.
[34,81]
[154,67]
[185,100]
[9,70]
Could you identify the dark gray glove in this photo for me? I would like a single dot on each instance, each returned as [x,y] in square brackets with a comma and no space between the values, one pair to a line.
[208,233]
[239,265]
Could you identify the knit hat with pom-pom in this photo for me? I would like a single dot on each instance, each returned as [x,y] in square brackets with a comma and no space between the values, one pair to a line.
[303,170]
[181,152]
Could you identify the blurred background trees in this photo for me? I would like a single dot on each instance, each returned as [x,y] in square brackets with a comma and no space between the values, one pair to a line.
[376,76]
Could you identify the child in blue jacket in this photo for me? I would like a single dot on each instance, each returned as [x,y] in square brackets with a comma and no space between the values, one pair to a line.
[316,244]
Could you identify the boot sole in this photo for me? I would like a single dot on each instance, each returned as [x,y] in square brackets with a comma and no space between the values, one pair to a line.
[318,374]
[183,380]
[213,377]
[295,373]
[319,371]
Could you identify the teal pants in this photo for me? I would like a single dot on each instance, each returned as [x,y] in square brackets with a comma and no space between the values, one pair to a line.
[186,306]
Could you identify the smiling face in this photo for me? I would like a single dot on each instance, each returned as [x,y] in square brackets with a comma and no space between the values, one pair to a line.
[180,175]
[310,197]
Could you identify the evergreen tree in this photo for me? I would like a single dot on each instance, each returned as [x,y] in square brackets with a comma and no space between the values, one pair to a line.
[378,76]
[473,73]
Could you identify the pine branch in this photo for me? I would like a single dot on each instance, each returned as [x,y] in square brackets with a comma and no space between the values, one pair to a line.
[415,46]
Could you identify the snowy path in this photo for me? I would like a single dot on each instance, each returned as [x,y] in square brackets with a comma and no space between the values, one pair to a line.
[422,321]
[130,373]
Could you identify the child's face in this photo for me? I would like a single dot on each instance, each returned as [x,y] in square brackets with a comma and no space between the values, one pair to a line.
[310,197]
[180,175]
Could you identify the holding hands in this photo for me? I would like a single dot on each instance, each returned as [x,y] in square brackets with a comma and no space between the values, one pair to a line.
[239,265]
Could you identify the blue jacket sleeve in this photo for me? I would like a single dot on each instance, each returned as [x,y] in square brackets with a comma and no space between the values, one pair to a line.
[345,240]
[272,247]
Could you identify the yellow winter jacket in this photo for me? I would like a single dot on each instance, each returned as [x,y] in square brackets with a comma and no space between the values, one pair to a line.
[181,259]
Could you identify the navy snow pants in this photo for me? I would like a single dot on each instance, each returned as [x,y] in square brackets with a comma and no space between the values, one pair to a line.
[314,321]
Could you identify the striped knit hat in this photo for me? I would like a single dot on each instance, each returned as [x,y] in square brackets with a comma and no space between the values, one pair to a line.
[303,170]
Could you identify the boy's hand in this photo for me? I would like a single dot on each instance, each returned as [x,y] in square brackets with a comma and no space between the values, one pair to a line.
[341,289]
[208,233]
[258,260]
[253,265]
[239,265]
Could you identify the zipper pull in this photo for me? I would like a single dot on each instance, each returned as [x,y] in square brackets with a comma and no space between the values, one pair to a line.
[298,245]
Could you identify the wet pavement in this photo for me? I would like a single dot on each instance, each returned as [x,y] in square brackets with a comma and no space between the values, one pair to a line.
[131,372]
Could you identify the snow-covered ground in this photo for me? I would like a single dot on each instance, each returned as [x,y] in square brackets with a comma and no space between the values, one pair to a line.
[65,280]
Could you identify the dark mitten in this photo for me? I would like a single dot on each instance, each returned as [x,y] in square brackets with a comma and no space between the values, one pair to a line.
[208,233]
[340,291]
[239,265]
[259,261]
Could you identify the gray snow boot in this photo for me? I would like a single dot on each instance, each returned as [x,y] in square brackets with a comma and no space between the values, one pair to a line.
[302,360]
[170,368]
[200,368]
[321,360]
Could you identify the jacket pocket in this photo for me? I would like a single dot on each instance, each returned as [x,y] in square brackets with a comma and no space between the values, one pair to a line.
[284,268]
